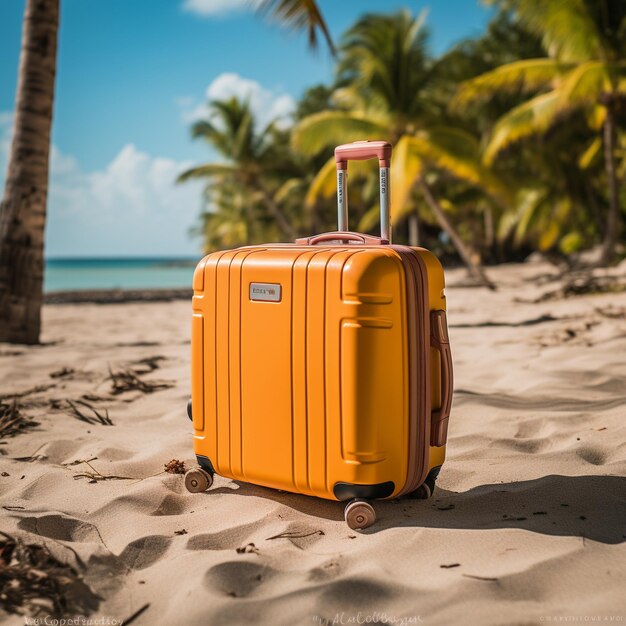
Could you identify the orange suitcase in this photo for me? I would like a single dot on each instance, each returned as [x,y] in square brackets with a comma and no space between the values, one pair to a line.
[323,367]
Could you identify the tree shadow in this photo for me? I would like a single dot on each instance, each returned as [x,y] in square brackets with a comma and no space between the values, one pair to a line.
[593,507]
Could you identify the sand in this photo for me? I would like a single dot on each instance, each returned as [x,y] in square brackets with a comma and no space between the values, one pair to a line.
[527,524]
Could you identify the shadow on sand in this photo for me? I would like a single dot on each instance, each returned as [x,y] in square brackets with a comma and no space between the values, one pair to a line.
[593,507]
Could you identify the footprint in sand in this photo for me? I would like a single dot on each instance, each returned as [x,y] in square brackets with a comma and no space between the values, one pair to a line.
[238,579]
[60,527]
[171,505]
[530,428]
[595,456]
[528,446]
[229,539]
[145,551]
[356,594]
[328,571]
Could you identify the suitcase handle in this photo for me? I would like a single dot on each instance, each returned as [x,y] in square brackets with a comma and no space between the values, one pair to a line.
[440,341]
[367,240]
[361,151]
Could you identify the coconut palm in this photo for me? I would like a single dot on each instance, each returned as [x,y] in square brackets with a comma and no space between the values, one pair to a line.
[234,217]
[385,78]
[584,71]
[23,207]
[253,159]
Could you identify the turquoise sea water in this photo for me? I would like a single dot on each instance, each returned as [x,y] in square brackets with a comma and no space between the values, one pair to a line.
[81,274]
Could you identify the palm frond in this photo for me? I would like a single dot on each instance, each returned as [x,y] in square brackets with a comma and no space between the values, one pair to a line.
[324,185]
[370,219]
[585,84]
[208,170]
[530,202]
[532,117]
[523,76]
[567,28]
[330,128]
[590,155]
[457,152]
[301,15]
[406,168]
[289,188]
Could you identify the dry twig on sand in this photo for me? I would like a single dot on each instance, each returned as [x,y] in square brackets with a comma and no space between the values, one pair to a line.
[296,535]
[127,380]
[149,364]
[35,583]
[13,421]
[97,418]
[28,392]
[129,620]
[95,476]
[64,372]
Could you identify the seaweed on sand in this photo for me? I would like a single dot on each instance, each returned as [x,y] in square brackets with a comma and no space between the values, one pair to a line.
[98,417]
[13,421]
[127,380]
[583,285]
[33,582]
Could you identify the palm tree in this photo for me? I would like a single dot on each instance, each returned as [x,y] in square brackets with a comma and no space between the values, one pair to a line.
[23,207]
[584,71]
[299,15]
[254,160]
[234,218]
[385,79]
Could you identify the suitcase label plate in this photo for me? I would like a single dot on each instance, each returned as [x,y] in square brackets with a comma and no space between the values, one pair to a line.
[265,292]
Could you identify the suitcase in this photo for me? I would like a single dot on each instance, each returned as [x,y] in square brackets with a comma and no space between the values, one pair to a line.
[323,367]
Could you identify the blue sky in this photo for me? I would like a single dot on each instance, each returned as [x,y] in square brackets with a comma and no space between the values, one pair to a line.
[131,76]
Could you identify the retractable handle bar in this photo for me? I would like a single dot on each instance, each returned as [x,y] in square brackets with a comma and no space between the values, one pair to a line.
[362,151]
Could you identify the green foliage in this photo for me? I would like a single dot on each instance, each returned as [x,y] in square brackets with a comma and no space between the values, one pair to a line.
[500,144]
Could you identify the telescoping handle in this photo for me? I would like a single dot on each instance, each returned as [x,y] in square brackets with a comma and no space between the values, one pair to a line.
[361,151]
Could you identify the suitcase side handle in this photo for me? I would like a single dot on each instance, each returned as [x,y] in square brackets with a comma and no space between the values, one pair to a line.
[440,341]
[366,240]
[362,151]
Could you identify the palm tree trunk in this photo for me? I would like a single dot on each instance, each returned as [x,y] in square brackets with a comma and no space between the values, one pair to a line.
[613,225]
[284,225]
[596,213]
[414,230]
[473,266]
[23,207]
[489,231]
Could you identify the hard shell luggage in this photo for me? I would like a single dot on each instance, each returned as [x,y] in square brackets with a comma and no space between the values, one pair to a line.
[323,367]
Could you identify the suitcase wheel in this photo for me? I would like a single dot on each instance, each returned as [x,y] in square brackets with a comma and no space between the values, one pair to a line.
[197,480]
[189,412]
[359,514]
[425,490]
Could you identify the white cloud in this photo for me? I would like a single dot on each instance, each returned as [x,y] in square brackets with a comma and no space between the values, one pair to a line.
[132,207]
[211,8]
[267,104]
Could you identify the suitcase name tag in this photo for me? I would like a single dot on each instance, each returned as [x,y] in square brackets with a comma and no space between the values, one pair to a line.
[265,292]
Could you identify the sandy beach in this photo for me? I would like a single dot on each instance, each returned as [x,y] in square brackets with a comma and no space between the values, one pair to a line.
[527,524]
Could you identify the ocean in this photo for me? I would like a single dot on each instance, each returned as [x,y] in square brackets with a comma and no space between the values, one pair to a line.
[134,273]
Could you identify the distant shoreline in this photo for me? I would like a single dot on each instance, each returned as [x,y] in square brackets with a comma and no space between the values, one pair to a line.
[117,296]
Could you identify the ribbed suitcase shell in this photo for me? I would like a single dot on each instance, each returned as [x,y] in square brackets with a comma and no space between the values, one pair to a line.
[329,387]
